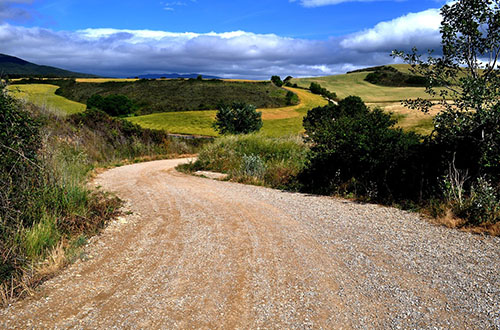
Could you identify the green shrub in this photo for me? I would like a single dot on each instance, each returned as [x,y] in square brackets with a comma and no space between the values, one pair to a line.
[291,98]
[358,150]
[113,105]
[483,204]
[252,166]
[238,118]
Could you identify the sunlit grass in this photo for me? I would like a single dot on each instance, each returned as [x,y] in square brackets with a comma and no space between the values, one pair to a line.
[277,121]
[44,96]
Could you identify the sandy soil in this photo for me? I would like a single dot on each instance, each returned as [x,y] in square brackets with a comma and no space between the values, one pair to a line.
[199,253]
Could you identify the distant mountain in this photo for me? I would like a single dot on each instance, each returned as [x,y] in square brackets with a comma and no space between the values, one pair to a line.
[174,76]
[14,67]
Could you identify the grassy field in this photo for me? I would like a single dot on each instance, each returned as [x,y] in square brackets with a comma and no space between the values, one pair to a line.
[387,98]
[353,84]
[44,96]
[156,96]
[277,121]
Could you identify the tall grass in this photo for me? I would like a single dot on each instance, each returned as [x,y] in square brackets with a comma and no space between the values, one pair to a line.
[255,159]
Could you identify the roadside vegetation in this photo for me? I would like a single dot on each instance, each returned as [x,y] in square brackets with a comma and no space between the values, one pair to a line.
[255,159]
[47,212]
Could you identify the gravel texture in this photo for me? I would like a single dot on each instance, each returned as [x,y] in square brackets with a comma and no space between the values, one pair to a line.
[200,253]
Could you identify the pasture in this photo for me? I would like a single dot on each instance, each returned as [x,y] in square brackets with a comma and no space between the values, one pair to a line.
[387,98]
[277,121]
[44,96]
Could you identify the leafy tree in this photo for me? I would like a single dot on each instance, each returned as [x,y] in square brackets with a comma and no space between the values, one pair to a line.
[357,150]
[113,105]
[277,81]
[468,128]
[315,88]
[238,118]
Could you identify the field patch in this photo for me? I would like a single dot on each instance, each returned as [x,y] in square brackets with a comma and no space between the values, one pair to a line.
[277,121]
[354,84]
[44,96]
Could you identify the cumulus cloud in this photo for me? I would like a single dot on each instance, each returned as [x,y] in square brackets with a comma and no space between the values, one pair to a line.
[415,29]
[121,52]
[9,10]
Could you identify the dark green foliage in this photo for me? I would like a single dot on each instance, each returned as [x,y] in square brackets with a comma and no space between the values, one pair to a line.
[152,96]
[238,118]
[277,81]
[357,150]
[316,88]
[392,77]
[291,98]
[288,79]
[20,141]
[113,105]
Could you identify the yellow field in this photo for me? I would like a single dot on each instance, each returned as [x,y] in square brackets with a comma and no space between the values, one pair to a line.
[277,121]
[44,96]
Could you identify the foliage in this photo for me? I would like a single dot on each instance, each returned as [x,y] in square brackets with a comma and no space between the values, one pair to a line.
[483,204]
[292,98]
[238,118]
[20,140]
[252,166]
[255,158]
[316,88]
[390,76]
[467,130]
[277,81]
[113,105]
[357,150]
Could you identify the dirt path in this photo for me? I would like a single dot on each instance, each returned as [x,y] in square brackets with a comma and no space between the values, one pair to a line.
[199,253]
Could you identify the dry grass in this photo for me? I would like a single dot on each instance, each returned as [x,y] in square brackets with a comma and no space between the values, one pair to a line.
[450,220]
[408,119]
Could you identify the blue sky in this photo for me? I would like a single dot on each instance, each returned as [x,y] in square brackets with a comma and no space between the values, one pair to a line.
[238,38]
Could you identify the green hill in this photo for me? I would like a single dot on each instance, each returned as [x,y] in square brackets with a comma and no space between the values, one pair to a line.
[152,96]
[386,97]
[354,83]
[14,67]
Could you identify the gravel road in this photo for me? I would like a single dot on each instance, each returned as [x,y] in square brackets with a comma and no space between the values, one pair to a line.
[199,253]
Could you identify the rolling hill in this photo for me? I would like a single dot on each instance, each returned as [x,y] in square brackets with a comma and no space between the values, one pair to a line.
[14,67]
[152,96]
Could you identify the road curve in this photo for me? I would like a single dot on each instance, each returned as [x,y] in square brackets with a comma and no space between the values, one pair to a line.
[199,253]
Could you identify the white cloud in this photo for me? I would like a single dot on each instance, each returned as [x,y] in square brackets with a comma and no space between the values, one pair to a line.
[415,29]
[125,52]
